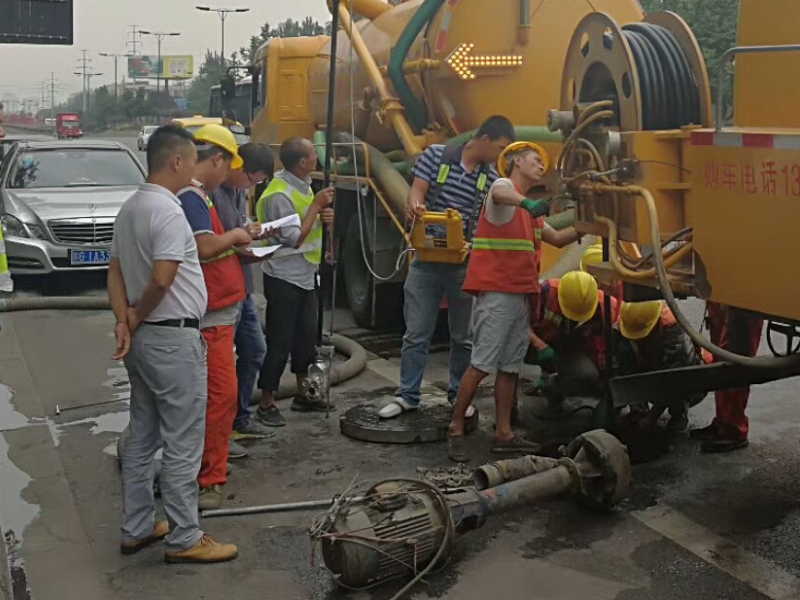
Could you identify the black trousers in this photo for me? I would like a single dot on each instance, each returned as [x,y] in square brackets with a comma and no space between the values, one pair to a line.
[291,319]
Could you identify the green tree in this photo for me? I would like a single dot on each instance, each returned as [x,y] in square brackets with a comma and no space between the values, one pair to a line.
[287,28]
[209,74]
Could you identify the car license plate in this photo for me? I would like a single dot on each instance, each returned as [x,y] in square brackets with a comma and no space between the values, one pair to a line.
[89,257]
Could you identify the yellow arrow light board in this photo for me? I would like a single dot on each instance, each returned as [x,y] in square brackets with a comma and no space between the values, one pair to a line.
[462,61]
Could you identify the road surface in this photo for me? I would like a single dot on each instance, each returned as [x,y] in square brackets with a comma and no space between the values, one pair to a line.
[697,526]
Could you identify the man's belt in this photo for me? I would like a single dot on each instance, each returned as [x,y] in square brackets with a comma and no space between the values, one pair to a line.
[191,323]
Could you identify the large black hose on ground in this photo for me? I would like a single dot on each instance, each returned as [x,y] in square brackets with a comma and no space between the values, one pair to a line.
[340,372]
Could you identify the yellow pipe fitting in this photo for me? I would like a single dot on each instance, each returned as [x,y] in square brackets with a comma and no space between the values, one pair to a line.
[391,107]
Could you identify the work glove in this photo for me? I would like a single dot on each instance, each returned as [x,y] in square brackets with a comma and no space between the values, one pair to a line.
[537,208]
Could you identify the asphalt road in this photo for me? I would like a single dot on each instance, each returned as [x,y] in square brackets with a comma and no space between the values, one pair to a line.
[696,526]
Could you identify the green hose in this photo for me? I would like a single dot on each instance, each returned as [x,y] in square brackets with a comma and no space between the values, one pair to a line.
[415,109]
[562,220]
[523,133]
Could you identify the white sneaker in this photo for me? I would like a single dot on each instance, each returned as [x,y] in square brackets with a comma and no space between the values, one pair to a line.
[394,408]
[470,412]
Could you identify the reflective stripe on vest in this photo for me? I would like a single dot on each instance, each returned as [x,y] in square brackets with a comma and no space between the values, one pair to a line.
[301,203]
[503,244]
[6,285]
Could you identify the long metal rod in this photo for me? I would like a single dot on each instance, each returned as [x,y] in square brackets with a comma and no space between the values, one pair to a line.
[728,57]
[328,233]
[272,508]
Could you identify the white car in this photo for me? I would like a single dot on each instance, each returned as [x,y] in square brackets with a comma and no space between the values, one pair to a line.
[144,135]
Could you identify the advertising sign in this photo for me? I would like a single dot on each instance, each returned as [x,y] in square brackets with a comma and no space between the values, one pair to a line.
[171,67]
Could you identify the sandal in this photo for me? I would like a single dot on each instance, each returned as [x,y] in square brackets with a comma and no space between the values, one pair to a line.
[457,448]
[516,445]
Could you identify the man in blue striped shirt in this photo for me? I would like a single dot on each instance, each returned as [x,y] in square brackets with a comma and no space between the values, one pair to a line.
[444,177]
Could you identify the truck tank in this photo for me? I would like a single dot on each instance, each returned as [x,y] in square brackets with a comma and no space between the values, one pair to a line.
[526,40]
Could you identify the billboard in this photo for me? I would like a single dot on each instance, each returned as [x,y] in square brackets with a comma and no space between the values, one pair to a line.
[36,22]
[171,67]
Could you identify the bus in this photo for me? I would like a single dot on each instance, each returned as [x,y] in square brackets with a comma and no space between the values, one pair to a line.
[241,104]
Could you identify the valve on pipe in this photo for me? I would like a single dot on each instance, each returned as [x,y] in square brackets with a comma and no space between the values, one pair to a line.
[403,527]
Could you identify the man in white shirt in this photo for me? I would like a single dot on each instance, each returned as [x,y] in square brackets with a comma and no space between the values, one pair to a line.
[158,295]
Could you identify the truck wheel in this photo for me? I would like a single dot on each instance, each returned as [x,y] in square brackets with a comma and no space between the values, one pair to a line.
[359,287]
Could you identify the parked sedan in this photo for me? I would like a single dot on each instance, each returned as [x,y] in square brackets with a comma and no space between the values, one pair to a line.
[58,202]
[144,135]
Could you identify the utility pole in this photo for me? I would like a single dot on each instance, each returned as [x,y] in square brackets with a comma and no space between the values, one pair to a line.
[52,94]
[83,70]
[134,43]
[222,13]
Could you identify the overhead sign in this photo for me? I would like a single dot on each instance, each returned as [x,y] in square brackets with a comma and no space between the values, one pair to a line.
[36,22]
[463,62]
[171,67]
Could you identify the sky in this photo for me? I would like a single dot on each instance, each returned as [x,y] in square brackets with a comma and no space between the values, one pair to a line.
[104,26]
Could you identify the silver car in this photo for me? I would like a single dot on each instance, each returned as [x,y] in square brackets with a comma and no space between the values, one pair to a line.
[58,202]
[144,135]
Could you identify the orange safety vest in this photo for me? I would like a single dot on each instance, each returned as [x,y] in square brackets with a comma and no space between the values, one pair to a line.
[505,258]
[551,324]
[223,273]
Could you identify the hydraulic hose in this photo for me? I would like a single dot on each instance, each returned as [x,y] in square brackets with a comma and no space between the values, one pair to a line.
[762,362]
[669,261]
[523,133]
[415,108]
[340,372]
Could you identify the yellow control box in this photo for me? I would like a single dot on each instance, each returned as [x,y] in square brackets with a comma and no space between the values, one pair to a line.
[452,248]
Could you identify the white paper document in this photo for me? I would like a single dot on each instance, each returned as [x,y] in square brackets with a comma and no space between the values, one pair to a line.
[288,221]
[262,251]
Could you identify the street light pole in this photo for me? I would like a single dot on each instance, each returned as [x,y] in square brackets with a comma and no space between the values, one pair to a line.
[223,13]
[115,57]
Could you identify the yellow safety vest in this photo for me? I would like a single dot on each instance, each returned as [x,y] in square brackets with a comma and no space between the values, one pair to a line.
[6,285]
[301,203]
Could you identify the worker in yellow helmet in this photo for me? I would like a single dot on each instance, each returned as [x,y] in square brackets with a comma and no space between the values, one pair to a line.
[649,338]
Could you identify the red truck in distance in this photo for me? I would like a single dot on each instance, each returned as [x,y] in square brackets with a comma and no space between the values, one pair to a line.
[68,125]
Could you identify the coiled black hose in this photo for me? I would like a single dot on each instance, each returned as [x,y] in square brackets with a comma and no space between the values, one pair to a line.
[670,96]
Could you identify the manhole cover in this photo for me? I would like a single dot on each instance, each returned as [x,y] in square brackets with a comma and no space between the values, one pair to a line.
[427,424]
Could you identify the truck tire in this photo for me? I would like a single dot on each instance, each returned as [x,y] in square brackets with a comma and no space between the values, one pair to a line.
[359,287]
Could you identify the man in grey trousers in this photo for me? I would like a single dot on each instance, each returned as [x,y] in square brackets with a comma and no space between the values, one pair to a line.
[157,293]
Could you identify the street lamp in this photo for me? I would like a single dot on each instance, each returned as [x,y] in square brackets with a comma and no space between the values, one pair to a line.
[222,12]
[159,36]
[115,57]
[87,81]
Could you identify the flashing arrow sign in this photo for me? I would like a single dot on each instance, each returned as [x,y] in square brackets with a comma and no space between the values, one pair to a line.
[462,61]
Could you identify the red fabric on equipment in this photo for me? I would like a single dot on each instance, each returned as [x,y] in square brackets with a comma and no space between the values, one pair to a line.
[222,404]
[739,332]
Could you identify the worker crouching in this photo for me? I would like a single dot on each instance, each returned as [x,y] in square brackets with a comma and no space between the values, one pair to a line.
[503,275]
[650,339]
[571,323]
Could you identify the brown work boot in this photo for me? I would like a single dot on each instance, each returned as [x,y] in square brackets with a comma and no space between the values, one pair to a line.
[160,530]
[210,498]
[205,551]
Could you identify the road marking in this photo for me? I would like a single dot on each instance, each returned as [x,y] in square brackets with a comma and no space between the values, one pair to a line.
[759,573]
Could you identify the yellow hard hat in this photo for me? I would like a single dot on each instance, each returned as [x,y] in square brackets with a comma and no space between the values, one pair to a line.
[222,137]
[637,319]
[577,296]
[503,163]
[593,255]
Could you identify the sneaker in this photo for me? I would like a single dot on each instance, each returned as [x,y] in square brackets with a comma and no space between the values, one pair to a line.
[704,434]
[210,498]
[207,550]
[516,444]
[236,450]
[160,530]
[396,407]
[253,430]
[723,445]
[303,404]
[271,417]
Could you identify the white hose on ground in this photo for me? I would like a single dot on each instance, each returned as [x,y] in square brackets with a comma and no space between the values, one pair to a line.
[760,362]
[340,372]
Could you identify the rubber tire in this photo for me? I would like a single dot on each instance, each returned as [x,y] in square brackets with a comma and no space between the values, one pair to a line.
[359,289]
